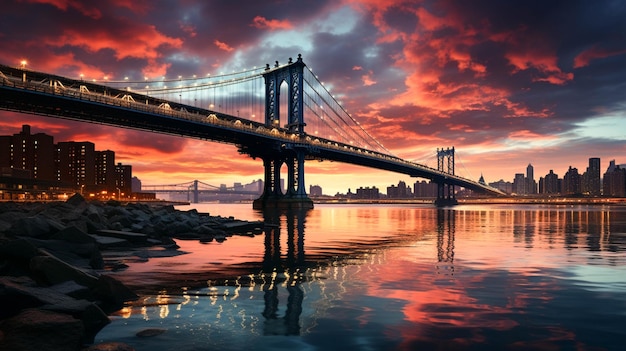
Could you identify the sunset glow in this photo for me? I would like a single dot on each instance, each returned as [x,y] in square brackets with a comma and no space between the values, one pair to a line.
[501,82]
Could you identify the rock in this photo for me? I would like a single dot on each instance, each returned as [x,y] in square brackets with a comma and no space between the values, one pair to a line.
[34,227]
[135,238]
[19,250]
[41,330]
[72,234]
[105,242]
[76,200]
[14,295]
[55,271]
[112,291]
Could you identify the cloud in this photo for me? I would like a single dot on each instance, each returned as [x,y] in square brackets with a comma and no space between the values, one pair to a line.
[263,23]
[223,46]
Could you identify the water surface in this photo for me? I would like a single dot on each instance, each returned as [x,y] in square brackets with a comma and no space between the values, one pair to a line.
[395,277]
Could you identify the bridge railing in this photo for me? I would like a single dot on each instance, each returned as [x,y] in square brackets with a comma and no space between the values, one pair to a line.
[213,118]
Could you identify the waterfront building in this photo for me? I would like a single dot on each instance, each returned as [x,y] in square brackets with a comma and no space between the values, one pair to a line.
[531,184]
[614,181]
[75,164]
[367,193]
[572,182]
[255,186]
[551,183]
[32,152]
[519,184]
[399,192]
[123,176]
[425,189]
[135,184]
[591,178]
[315,190]
[105,170]
[502,185]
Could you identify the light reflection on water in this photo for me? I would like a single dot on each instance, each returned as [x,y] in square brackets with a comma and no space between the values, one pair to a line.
[391,277]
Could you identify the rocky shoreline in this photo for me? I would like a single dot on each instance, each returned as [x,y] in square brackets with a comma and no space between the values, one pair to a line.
[55,290]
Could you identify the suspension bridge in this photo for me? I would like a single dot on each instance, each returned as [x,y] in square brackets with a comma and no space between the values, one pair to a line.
[195,188]
[281,114]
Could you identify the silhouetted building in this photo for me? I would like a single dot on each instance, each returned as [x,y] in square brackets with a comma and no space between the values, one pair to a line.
[502,185]
[76,163]
[572,182]
[123,177]
[367,193]
[32,152]
[531,185]
[614,181]
[105,170]
[399,192]
[315,190]
[591,178]
[255,186]
[519,184]
[135,184]
[425,189]
[551,183]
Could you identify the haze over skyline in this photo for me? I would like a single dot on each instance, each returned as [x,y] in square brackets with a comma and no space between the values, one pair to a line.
[505,83]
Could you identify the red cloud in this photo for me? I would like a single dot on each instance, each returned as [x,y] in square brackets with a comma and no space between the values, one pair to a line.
[223,46]
[593,53]
[262,22]
[143,43]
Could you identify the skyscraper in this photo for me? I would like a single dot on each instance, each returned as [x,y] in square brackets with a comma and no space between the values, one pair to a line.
[551,183]
[593,177]
[531,185]
[571,182]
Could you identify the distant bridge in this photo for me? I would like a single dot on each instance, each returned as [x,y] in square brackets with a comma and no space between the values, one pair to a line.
[259,94]
[195,188]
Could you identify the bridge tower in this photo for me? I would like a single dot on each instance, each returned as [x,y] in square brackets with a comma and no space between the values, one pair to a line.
[445,192]
[291,154]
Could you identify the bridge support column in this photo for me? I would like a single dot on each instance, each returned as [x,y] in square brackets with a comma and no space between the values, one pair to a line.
[445,195]
[295,195]
[445,191]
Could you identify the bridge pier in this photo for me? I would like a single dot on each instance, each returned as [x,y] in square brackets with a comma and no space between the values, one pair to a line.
[445,191]
[295,195]
[445,195]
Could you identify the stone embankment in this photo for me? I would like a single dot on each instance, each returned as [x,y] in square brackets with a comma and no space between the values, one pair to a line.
[55,293]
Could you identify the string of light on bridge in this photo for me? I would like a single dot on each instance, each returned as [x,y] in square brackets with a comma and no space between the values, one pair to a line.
[242,94]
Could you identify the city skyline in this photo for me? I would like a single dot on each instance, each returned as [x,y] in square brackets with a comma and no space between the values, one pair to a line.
[499,82]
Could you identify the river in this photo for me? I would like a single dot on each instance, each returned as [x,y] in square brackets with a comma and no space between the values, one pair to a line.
[392,277]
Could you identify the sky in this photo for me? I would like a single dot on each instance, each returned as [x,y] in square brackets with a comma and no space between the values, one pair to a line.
[507,83]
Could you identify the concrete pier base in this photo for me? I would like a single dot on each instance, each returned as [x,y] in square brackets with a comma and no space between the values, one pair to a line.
[282,202]
[446,202]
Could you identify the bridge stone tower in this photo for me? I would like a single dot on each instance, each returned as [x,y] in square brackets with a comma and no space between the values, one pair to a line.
[292,153]
[445,192]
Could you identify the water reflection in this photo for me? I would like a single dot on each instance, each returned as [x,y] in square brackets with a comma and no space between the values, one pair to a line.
[445,240]
[288,272]
[401,278]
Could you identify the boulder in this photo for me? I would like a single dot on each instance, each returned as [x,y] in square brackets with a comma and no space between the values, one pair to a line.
[73,234]
[34,227]
[76,200]
[41,330]
[54,271]
[113,291]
